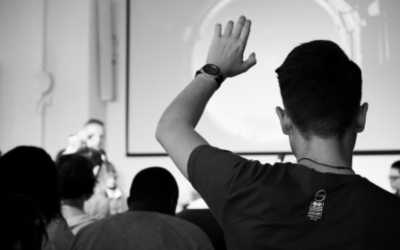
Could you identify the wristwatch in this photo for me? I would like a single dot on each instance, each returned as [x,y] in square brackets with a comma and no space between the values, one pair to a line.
[211,71]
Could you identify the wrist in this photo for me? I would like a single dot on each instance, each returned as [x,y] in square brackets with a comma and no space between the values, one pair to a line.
[207,81]
[212,72]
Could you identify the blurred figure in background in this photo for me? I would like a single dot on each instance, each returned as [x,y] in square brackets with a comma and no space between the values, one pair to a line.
[92,136]
[394,178]
[77,182]
[21,223]
[30,171]
[107,198]
[96,132]
[150,222]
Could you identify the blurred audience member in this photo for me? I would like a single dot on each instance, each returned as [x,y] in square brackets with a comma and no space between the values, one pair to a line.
[107,198]
[394,177]
[199,214]
[150,221]
[21,223]
[77,182]
[30,171]
[114,194]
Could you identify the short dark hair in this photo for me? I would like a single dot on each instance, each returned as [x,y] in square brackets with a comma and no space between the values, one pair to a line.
[396,165]
[30,171]
[94,155]
[154,183]
[94,121]
[320,88]
[76,176]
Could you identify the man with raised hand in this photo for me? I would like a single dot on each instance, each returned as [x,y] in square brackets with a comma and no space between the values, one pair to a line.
[318,203]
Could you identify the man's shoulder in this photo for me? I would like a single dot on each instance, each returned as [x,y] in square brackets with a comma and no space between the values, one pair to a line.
[177,223]
[210,155]
[369,192]
[137,218]
[147,227]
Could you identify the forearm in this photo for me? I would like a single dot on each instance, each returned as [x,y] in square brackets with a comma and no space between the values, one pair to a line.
[175,130]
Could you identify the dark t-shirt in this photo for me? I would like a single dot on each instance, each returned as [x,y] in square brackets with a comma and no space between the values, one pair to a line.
[290,206]
[204,219]
[141,230]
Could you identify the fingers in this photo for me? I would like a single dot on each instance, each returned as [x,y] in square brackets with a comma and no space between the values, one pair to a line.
[244,35]
[217,30]
[241,30]
[238,27]
[250,62]
[228,28]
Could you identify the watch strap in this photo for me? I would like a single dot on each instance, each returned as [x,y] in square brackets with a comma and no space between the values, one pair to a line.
[219,78]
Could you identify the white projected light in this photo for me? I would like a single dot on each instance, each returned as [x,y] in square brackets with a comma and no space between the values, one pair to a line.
[169,41]
[245,107]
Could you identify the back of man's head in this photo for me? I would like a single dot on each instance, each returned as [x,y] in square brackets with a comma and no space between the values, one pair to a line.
[30,171]
[76,177]
[95,157]
[154,186]
[94,121]
[396,165]
[320,88]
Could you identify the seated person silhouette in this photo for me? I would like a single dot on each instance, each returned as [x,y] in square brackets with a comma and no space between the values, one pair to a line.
[30,171]
[77,182]
[22,226]
[150,222]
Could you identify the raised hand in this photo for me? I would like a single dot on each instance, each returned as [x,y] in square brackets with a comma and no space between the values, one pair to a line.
[226,50]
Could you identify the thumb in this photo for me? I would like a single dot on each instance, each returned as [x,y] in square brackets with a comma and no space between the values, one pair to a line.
[250,62]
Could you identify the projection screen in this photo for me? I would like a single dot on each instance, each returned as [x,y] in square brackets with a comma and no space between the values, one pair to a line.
[168,41]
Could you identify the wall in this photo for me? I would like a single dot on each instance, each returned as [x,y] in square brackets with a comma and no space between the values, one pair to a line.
[20,63]
[60,38]
[115,138]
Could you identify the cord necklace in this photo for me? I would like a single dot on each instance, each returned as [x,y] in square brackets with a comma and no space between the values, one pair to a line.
[325,165]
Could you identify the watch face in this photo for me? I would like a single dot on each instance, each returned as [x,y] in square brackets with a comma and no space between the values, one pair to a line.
[211,69]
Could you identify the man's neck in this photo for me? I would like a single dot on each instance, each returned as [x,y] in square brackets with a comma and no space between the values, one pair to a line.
[324,154]
[76,207]
[158,207]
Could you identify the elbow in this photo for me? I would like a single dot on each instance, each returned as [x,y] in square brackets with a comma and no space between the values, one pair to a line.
[161,131]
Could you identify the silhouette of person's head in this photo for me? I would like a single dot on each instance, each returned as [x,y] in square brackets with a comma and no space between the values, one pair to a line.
[76,177]
[21,224]
[95,157]
[30,171]
[154,189]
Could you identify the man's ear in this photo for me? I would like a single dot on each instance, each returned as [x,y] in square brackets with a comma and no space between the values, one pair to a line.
[286,123]
[362,118]
[96,170]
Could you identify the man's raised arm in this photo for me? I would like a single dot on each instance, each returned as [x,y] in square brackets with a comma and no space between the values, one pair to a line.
[175,130]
